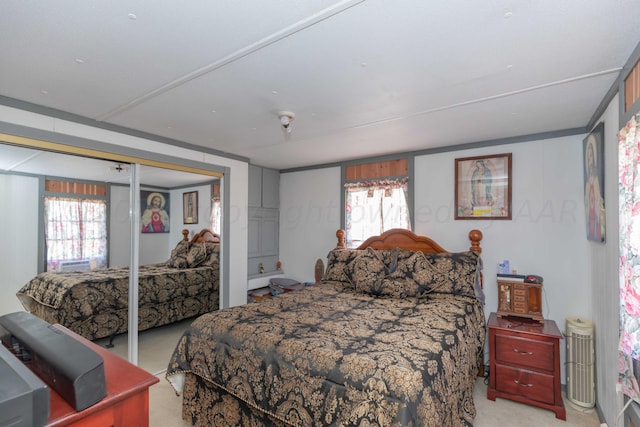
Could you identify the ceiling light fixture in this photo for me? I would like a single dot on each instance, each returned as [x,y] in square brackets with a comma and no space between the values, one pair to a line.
[119,167]
[286,117]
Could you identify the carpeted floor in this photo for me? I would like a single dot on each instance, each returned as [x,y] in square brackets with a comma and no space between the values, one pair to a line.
[156,345]
[505,412]
[165,411]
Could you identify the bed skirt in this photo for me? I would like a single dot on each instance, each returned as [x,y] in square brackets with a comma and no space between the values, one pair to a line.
[205,404]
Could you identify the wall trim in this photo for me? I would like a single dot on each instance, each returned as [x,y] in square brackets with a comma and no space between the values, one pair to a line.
[446,149]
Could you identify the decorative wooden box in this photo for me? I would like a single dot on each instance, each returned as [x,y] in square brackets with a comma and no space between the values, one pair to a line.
[520,299]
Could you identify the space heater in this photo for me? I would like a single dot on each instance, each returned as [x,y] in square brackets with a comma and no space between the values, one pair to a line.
[580,364]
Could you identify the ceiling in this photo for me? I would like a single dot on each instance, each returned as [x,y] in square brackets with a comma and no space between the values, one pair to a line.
[363,77]
[23,160]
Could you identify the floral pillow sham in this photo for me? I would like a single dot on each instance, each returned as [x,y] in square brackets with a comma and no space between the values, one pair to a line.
[401,273]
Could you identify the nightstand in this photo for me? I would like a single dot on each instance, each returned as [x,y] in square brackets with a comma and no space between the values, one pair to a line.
[524,362]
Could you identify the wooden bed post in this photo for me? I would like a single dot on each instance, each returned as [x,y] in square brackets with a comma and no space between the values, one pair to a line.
[185,235]
[340,235]
[475,236]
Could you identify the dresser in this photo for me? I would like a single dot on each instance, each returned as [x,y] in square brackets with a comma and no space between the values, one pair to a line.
[524,362]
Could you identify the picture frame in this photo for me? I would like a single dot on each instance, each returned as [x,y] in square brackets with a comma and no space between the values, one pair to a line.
[190,207]
[154,212]
[593,161]
[483,187]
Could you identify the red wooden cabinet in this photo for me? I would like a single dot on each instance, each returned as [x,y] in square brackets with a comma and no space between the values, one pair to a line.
[524,362]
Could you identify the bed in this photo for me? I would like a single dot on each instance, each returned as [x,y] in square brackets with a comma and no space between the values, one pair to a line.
[391,336]
[94,303]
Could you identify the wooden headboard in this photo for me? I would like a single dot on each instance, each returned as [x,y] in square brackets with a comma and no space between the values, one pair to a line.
[204,235]
[405,239]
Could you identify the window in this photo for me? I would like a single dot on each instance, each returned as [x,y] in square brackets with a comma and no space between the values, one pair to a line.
[376,199]
[216,208]
[216,215]
[374,207]
[75,228]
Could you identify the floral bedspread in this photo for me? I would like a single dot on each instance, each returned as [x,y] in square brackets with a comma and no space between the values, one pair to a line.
[94,304]
[331,355]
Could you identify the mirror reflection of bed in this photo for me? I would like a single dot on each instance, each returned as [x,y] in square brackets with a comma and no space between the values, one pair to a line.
[154,248]
[189,291]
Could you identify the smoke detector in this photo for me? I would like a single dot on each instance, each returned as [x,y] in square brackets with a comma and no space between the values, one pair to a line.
[286,117]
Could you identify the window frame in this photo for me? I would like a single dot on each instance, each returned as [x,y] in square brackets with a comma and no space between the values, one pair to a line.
[410,191]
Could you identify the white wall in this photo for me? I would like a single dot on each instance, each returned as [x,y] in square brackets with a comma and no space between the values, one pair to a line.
[546,235]
[309,219]
[154,248]
[602,260]
[119,227]
[18,237]
[238,181]
[204,212]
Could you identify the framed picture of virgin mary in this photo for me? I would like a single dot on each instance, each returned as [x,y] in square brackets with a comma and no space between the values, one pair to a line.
[190,207]
[483,187]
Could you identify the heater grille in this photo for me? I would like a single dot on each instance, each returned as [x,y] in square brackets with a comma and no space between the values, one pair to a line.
[580,362]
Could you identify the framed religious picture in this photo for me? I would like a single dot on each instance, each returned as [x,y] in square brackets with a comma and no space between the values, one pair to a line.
[190,207]
[154,212]
[483,187]
[593,149]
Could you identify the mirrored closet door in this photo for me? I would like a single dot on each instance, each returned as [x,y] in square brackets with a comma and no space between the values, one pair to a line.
[42,190]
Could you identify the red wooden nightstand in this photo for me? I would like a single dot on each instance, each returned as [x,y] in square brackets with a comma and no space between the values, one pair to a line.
[524,362]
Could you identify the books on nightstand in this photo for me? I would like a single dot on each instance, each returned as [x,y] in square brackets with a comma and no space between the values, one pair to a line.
[525,278]
[260,294]
[281,284]
[276,287]
[512,277]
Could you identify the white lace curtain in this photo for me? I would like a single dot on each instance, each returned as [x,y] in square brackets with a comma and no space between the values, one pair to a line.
[375,206]
[75,229]
[216,215]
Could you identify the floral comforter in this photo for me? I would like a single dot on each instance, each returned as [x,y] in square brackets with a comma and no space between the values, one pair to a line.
[332,355]
[94,304]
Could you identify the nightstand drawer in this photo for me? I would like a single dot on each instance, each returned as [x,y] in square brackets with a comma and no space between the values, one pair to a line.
[524,352]
[532,385]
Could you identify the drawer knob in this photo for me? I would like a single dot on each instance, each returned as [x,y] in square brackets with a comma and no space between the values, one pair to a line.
[522,385]
[523,353]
